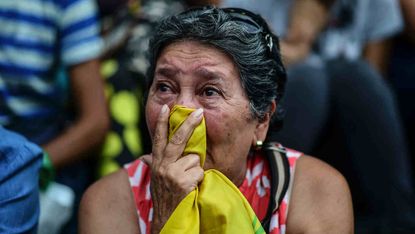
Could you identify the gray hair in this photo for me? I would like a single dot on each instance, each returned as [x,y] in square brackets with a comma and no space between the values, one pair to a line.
[257,57]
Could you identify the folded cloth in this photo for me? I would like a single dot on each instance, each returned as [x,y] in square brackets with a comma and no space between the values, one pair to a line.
[216,205]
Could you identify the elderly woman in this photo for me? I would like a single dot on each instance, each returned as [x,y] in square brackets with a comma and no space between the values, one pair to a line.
[224,63]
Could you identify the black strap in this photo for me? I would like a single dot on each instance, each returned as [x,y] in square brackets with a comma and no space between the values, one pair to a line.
[280,178]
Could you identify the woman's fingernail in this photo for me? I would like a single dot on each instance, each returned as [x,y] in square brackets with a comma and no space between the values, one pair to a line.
[164,109]
[198,112]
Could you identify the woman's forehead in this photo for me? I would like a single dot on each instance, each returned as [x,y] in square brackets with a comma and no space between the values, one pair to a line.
[191,49]
[194,57]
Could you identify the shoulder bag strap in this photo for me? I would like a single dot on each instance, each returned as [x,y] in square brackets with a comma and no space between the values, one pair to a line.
[280,178]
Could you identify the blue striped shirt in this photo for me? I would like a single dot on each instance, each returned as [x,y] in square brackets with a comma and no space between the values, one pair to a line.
[36,38]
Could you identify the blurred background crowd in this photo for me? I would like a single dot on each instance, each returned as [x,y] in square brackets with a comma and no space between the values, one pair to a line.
[72,77]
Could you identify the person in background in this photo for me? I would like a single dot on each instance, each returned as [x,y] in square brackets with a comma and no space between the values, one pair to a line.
[50,87]
[338,105]
[126,28]
[20,163]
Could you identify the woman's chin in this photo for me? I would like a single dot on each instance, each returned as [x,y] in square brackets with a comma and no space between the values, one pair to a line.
[208,164]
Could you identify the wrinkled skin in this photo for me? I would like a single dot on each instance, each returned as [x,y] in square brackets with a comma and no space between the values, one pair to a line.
[201,77]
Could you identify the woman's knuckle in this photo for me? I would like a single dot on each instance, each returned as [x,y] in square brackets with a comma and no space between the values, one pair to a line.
[201,171]
[168,171]
[199,174]
[157,139]
[177,139]
[196,158]
[193,158]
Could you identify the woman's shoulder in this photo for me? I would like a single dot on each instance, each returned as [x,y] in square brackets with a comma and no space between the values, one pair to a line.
[313,171]
[109,204]
[114,184]
[320,199]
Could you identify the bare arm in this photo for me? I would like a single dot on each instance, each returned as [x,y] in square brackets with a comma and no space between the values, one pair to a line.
[92,121]
[307,20]
[320,201]
[408,10]
[108,207]
[377,53]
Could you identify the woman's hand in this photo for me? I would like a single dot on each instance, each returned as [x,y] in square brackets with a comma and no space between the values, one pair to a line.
[173,176]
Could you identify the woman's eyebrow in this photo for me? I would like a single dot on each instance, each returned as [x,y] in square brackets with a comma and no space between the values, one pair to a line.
[211,75]
[167,72]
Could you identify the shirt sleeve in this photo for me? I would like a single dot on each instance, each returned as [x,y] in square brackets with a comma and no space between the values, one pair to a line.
[20,162]
[384,19]
[79,31]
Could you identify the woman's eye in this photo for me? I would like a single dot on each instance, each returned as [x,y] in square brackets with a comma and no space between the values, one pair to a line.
[163,88]
[209,91]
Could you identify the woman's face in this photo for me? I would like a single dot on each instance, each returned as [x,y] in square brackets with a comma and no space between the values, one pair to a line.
[195,75]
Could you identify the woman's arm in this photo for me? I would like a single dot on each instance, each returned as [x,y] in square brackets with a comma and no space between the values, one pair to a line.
[108,207]
[320,200]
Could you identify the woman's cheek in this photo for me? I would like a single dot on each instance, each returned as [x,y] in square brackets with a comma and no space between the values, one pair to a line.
[152,114]
[216,124]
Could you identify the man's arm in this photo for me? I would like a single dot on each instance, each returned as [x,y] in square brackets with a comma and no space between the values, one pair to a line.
[320,200]
[92,120]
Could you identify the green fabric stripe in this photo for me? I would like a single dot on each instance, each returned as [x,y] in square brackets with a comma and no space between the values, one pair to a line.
[260,229]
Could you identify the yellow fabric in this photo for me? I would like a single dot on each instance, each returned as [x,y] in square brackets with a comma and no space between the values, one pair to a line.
[197,142]
[217,205]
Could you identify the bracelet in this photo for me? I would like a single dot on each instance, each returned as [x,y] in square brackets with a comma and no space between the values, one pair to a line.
[47,172]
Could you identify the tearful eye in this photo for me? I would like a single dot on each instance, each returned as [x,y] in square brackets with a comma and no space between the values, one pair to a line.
[209,91]
[163,87]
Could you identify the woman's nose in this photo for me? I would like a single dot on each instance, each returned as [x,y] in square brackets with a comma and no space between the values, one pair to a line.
[187,100]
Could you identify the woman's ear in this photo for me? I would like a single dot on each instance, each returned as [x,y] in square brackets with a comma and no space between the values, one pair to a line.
[263,125]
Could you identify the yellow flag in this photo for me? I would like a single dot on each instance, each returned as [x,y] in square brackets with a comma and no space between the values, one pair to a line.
[217,205]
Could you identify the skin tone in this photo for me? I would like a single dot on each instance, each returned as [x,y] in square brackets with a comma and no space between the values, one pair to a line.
[199,76]
[377,53]
[408,11]
[89,128]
